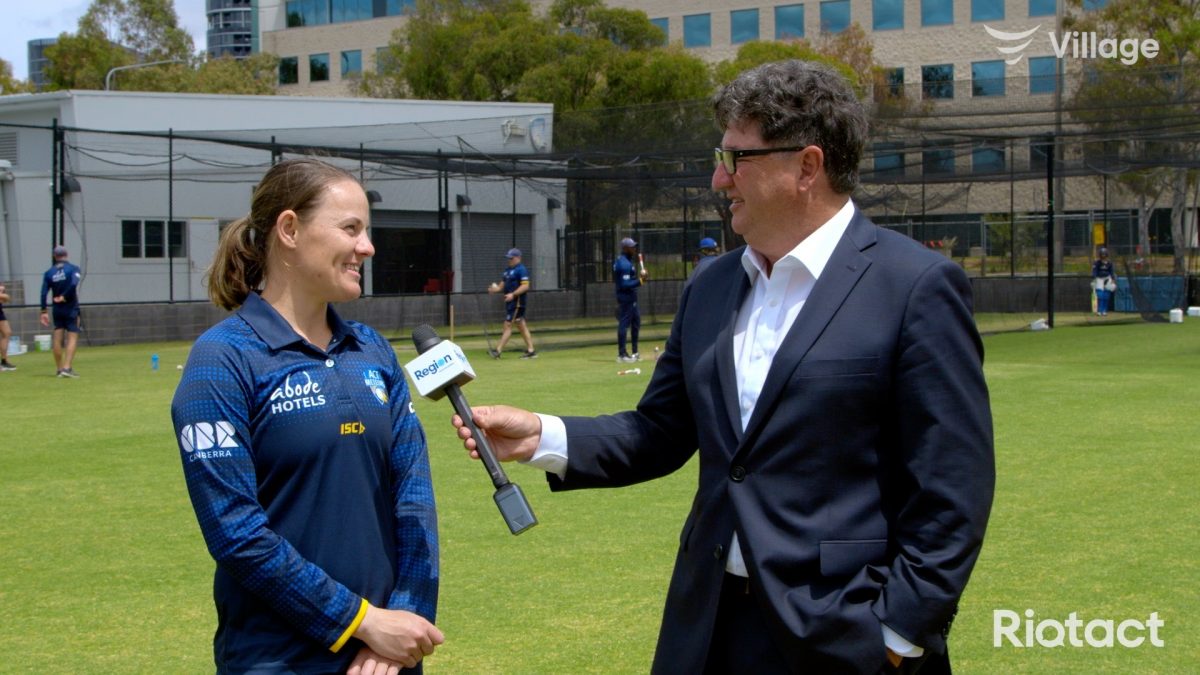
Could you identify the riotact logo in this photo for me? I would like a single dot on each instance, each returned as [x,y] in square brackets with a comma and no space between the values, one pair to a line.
[1009,630]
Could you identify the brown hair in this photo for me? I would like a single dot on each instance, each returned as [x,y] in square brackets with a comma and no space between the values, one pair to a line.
[240,263]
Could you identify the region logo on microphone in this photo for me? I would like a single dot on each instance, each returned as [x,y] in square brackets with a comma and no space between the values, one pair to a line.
[433,368]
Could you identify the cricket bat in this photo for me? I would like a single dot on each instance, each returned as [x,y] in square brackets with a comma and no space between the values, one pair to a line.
[642,264]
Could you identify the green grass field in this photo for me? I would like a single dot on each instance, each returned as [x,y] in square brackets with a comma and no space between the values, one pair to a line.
[102,568]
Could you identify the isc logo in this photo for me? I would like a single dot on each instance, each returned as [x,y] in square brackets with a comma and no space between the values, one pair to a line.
[350,428]
[205,436]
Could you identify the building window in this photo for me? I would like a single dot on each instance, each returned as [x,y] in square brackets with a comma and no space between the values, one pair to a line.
[988,158]
[938,158]
[743,25]
[937,81]
[835,16]
[697,30]
[1039,152]
[307,12]
[351,63]
[937,12]
[151,238]
[892,85]
[888,14]
[1043,71]
[987,10]
[664,25]
[289,70]
[789,22]
[318,67]
[1043,7]
[987,78]
[889,161]
[1093,5]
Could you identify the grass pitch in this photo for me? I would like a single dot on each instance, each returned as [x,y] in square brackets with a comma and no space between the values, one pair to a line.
[102,568]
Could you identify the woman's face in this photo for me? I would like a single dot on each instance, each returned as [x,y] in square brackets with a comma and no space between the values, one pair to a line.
[332,243]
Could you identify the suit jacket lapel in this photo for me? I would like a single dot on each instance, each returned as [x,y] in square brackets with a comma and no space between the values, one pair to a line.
[726,374]
[845,267]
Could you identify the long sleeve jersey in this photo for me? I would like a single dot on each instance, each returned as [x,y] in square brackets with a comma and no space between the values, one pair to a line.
[309,475]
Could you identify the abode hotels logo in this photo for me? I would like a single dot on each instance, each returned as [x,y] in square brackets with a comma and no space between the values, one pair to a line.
[1075,44]
[291,397]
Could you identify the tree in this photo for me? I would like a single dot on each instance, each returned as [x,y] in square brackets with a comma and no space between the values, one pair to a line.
[10,84]
[1142,115]
[116,33]
[581,55]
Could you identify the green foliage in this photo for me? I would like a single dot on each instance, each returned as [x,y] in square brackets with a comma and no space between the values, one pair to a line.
[115,33]
[9,84]
[581,55]
[1160,93]
[1095,513]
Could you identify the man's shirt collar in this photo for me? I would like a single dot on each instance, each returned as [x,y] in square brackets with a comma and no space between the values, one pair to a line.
[813,253]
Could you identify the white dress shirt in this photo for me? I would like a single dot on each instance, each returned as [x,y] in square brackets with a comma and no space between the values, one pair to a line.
[766,316]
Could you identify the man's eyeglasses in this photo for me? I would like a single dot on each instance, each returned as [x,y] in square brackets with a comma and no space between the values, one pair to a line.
[729,158]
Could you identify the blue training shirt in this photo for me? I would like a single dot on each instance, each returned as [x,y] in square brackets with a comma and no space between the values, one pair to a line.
[309,474]
[62,279]
[514,276]
[625,275]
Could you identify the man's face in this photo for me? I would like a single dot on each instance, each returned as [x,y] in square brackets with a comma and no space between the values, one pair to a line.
[762,191]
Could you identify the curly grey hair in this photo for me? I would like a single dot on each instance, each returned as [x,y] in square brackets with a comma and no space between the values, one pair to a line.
[800,103]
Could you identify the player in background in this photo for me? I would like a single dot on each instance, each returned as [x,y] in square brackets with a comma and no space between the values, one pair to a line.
[61,281]
[515,285]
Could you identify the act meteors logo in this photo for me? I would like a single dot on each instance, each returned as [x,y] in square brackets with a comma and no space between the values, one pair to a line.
[374,381]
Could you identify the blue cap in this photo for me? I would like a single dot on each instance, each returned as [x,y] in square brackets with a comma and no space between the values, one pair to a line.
[628,243]
[513,253]
[708,242]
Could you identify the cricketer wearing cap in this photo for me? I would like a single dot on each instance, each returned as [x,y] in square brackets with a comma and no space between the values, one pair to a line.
[61,282]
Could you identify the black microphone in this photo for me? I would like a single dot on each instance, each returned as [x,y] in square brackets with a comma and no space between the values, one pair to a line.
[438,370]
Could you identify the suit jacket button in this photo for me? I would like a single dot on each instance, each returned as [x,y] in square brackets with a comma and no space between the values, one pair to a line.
[718,551]
[737,473]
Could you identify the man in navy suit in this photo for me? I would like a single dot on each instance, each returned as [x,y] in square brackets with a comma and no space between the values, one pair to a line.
[830,376]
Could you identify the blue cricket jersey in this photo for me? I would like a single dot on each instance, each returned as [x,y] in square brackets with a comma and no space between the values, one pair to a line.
[62,279]
[515,276]
[625,275]
[309,474]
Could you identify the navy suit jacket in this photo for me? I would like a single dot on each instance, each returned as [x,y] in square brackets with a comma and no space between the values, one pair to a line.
[861,486]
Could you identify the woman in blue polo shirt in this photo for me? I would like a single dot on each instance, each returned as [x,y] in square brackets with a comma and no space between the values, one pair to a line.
[305,463]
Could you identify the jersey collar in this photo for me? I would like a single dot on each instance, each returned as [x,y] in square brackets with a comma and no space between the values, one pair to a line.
[277,332]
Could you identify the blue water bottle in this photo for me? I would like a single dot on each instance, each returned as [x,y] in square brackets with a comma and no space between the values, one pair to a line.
[154,362]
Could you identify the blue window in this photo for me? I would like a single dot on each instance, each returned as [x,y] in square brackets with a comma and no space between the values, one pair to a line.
[889,161]
[697,30]
[1092,5]
[743,25]
[289,70]
[987,78]
[937,12]
[789,22]
[888,14]
[892,85]
[1043,72]
[987,10]
[938,158]
[988,158]
[835,16]
[1043,7]
[318,67]
[937,81]
[351,63]
[665,26]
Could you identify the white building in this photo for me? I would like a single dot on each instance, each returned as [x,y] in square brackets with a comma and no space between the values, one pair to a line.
[121,214]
